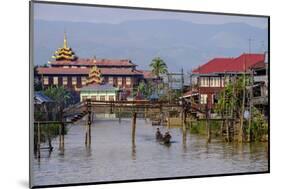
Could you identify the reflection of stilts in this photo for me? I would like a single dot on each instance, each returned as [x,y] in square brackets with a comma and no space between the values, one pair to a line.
[133,152]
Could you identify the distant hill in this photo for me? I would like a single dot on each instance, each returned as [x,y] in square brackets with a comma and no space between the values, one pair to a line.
[179,43]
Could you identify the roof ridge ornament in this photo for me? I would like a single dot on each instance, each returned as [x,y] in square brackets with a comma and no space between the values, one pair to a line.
[64,53]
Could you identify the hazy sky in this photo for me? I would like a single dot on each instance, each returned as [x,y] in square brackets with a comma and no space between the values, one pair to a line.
[115,15]
[211,35]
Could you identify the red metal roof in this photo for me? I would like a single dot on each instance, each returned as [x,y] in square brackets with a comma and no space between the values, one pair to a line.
[85,71]
[221,65]
[147,74]
[62,71]
[92,61]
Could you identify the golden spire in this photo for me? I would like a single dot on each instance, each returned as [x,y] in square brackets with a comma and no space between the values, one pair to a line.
[94,76]
[64,41]
[64,53]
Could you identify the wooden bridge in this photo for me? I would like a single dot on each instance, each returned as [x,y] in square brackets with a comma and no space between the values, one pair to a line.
[88,108]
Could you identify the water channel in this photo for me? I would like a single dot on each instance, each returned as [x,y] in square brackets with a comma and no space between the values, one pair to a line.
[112,156]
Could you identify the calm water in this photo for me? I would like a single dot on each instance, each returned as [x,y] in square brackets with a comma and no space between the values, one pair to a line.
[112,157]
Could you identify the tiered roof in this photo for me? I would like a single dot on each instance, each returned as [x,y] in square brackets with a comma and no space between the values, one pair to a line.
[221,65]
[64,53]
[94,76]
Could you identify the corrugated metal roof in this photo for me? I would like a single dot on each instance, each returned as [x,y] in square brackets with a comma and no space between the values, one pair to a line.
[98,87]
[40,98]
[221,65]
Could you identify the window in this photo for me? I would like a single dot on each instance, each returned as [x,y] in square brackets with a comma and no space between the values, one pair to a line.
[93,98]
[74,80]
[212,82]
[128,81]
[203,98]
[102,98]
[83,79]
[217,81]
[64,80]
[55,80]
[204,81]
[110,80]
[119,82]
[46,80]
[111,97]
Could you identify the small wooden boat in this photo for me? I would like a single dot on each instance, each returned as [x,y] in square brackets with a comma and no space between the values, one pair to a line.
[166,139]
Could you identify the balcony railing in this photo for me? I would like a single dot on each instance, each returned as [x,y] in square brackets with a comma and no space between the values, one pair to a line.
[261,78]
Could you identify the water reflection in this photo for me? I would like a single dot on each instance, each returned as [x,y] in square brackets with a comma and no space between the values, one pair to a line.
[114,156]
[133,154]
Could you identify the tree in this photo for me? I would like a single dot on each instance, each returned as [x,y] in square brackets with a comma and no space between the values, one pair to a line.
[158,67]
[144,88]
[36,81]
[230,103]
[58,94]
[61,98]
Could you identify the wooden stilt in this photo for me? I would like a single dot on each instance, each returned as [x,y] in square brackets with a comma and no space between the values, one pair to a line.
[89,132]
[208,131]
[134,119]
[184,129]
[62,135]
[119,114]
[208,125]
[227,131]
[88,126]
[38,140]
[86,135]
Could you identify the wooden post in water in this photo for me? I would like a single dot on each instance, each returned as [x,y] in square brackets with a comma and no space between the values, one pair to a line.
[145,113]
[38,140]
[208,124]
[88,127]
[62,135]
[119,114]
[134,119]
[184,127]
[60,138]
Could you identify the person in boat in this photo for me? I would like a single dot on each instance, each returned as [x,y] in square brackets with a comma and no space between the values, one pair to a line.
[167,137]
[158,134]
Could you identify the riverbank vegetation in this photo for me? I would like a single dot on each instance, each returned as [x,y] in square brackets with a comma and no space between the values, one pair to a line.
[234,102]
